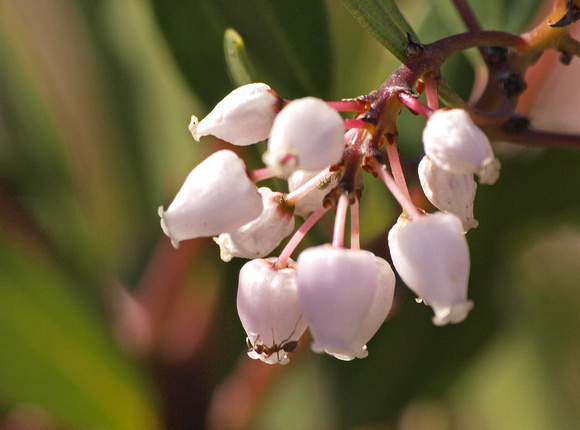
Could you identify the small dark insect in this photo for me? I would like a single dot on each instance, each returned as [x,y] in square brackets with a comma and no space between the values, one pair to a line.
[267,351]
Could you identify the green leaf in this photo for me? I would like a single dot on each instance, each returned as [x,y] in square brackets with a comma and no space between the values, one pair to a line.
[237,60]
[287,42]
[384,20]
[57,352]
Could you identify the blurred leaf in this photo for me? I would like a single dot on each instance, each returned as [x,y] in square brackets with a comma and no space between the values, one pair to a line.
[294,391]
[58,354]
[384,20]
[506,387]
[288,43]
[546,277]
[237,59]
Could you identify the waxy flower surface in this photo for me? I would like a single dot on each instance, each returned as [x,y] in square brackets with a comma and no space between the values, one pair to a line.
[454,143]
[345,296]
[449,192]
[260,236]
[308,135]
[431,255]
[268,308]
[244,117]
[217,197]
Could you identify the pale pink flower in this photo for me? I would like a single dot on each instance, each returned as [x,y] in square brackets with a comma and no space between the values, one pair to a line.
[431,255]
[242,118]
[217,197]
[269,310]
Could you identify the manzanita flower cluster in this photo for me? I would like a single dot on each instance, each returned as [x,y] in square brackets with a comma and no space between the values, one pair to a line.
[341,294]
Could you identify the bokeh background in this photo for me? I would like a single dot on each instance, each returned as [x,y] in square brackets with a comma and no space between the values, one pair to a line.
[103,325]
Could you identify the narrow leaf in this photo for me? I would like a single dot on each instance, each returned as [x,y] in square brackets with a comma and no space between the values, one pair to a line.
[384,20]
[239,66]
[57,352]
[289,44]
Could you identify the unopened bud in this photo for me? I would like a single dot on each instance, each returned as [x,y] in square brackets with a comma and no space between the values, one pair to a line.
[260,236]
[269,310]
[431,255]
[449,192]
[217,197]
[453,142]
[345,296]
[307,134]
[242,118]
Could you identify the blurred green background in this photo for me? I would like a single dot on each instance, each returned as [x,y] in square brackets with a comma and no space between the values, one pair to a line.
[104,326]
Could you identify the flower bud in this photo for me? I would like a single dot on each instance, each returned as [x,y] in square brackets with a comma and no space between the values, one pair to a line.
[313,200]
[269,310]
[260,236]
[453,142]
[345,296]
[449,192]
[307,134]
[217,197]
[431,255]
[242,118]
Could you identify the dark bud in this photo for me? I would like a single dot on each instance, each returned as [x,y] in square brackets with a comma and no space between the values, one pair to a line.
[369,116]
[414,49]
[566,58]
[516,124]
[572,15]
[512,84]
[495,55]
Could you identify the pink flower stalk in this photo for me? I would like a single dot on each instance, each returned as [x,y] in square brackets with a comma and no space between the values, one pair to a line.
[308,189]
[414,104]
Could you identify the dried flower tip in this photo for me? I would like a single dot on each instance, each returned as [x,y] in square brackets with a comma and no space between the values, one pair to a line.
[449,192]
[269,311]
[260,236]
[217,197]
[345,296]
[307,134]
[242,118]
[454,143]
[431,255]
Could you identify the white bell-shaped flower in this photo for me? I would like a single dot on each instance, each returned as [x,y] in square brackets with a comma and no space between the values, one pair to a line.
[313,200]
[260,236]
[307,134]
[242,118]
[269,310]
[217,197]
[431,255]
[453,142]
[449,192]
[345,296]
